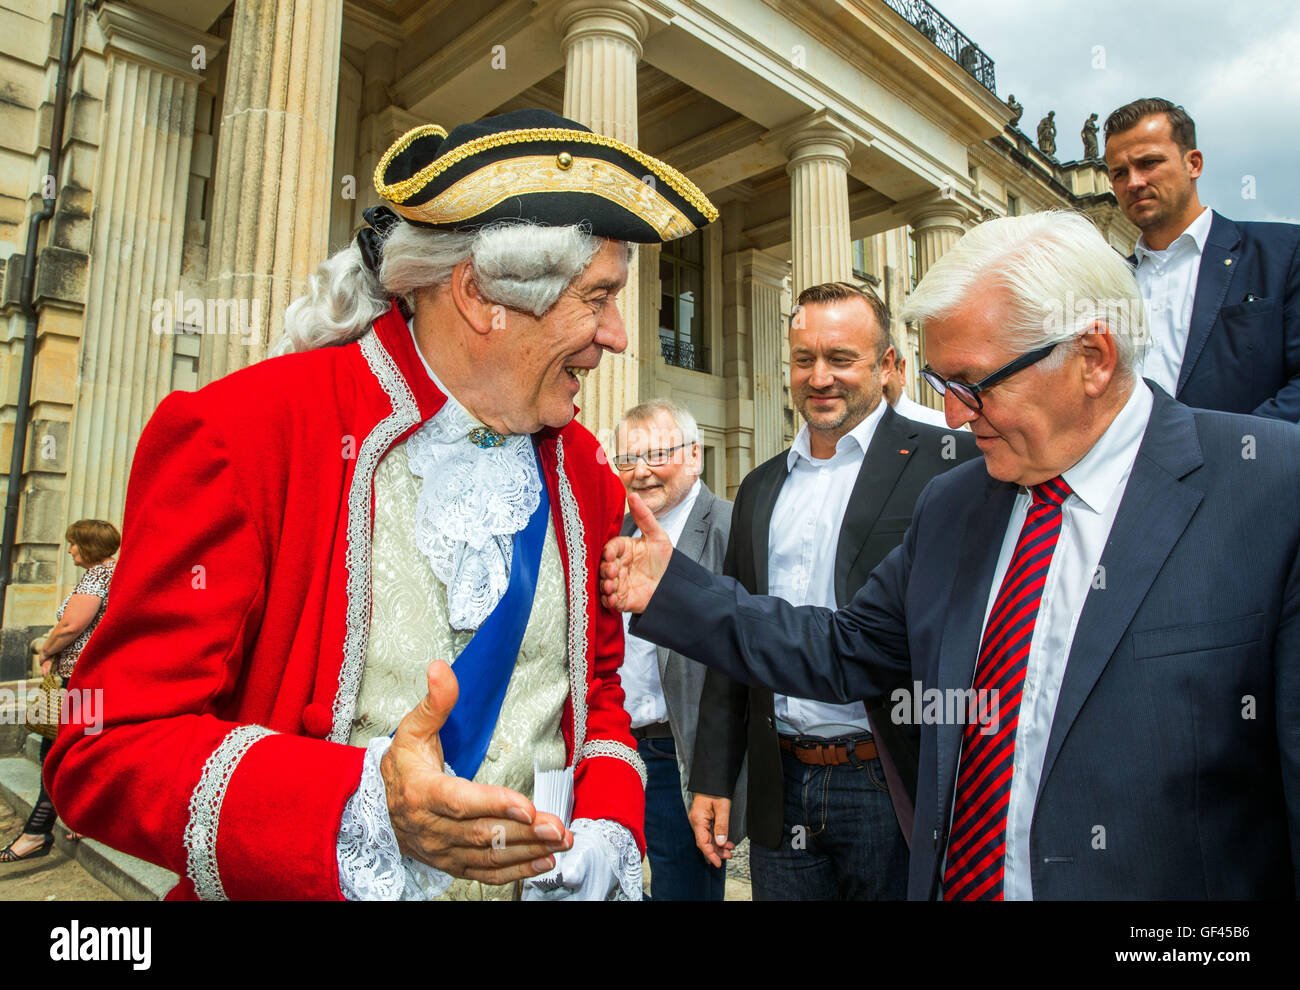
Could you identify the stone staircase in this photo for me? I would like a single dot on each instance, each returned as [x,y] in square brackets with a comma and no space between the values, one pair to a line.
[20,781]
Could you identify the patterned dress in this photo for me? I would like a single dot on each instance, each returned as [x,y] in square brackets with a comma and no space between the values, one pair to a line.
[94,582]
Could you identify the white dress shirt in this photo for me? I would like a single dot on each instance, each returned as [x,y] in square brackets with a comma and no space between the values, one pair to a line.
[801,544]
[1168,282]
[1097,482]
[918,413]
[643,691]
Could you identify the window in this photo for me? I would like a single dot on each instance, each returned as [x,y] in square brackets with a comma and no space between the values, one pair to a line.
[912,260]
[1013,205]
[864,259]
[683,339]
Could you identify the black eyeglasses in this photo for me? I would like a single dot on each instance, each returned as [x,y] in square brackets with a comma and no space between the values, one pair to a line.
[652,458]
[970,394]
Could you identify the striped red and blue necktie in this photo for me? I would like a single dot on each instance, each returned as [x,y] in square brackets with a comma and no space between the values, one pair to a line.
[978,839]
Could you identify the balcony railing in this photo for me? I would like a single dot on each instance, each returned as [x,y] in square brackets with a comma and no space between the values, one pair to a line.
[684,354]
[945,36]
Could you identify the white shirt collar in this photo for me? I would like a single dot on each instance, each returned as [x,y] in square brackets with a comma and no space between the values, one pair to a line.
[1099,472]
[1194,237]
[860,436]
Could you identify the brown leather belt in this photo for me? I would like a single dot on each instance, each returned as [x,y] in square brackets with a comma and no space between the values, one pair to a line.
[831,754]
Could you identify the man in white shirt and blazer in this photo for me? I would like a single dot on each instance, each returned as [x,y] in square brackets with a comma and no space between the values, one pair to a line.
[829,784]
[1223,295]
[1101,623]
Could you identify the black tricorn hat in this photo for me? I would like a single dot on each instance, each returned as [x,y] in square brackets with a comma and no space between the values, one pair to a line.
[535,166]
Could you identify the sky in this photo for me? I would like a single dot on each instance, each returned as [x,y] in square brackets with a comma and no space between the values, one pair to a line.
[1234,66]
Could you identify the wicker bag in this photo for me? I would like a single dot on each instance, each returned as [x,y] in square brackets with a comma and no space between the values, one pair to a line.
[43,708]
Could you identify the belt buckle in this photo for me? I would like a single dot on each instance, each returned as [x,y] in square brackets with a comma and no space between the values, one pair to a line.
[851,751]
[806,743]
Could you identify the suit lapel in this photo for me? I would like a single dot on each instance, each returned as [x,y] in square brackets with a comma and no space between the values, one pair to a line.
[691,544]
[891,447]
[1218,264]
[696,529]
[764,503]
[976,561]
[1156,508]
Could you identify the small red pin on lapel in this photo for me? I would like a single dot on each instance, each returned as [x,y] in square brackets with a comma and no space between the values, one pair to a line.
[904,450]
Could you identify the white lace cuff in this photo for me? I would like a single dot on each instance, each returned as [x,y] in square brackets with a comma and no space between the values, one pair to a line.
[604,864]
[620,848]
[371,866]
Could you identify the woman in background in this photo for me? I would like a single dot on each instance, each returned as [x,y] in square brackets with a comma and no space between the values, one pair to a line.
[91,544]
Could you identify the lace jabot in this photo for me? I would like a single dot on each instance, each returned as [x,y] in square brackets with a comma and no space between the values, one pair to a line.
[472,503]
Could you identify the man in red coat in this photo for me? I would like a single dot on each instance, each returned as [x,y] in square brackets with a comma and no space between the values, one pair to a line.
[304,536]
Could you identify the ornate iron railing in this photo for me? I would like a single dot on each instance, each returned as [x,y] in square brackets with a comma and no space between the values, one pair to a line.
[945,36]
[684,354]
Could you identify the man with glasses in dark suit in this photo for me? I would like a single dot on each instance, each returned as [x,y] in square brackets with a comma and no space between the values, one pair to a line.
[1101,622]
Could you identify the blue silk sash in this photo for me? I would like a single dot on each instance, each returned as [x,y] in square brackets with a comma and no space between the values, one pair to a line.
[484,667]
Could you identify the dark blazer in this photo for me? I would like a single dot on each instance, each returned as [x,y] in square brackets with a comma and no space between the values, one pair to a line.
[736,720]
[704,540]
[1243,344]
[1177,727]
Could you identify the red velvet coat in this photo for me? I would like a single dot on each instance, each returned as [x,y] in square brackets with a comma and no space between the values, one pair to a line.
[231,651]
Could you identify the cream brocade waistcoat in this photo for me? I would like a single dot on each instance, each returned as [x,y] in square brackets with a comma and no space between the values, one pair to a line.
[409,627]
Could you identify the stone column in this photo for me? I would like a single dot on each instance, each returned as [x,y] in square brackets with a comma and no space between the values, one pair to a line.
[820,246]
[141,185]
[602,46]
[753,280]
[936,226]
[273,181]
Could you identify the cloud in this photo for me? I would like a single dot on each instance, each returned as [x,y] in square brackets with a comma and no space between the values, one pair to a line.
[1232,66]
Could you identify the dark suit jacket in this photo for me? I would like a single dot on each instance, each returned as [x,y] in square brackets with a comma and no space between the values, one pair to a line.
[704,540]
[1243,354]
[736,720]
[1177,727]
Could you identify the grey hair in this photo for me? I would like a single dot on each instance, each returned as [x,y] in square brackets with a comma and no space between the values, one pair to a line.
[648,410]
[522,266]
[1062,276]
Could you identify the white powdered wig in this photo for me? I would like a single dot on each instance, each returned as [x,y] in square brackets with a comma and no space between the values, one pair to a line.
[1062,277]
[523,266]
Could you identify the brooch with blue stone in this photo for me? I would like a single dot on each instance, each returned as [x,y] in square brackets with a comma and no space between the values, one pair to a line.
[486,437]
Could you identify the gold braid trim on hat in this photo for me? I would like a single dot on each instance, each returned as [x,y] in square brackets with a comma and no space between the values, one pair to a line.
[400,145]
[491,184]
[399,192]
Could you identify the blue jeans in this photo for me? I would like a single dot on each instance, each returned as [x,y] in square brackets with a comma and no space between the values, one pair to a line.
[678,870]
[841,843]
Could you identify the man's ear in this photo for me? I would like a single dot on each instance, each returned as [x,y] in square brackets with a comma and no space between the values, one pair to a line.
[474,308]
[1100,359]
[1195,163]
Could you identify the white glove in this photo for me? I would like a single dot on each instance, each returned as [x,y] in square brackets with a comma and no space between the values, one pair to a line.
[593,869]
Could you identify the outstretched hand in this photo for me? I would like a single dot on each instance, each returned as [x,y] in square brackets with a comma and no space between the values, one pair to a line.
[476,831]
[630,568]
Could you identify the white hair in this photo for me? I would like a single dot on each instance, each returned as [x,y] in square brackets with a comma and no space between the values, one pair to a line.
[1062,277]
[523,266]
[651,408]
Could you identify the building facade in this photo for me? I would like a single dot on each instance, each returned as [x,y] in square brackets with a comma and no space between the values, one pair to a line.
[215,152]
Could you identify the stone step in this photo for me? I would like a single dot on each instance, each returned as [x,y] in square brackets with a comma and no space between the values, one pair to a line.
[130,878]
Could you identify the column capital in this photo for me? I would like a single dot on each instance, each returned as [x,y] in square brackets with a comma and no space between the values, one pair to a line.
[619,19]
[946,208]
[762,267]
[820,137]
[149,37]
